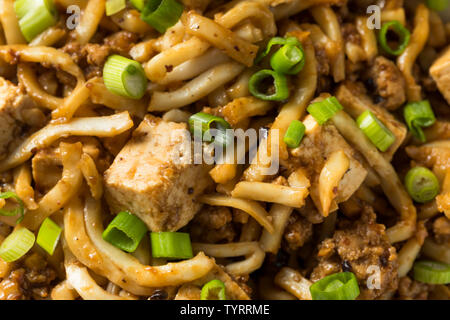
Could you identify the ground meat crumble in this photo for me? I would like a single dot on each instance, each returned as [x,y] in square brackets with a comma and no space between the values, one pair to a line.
[213,225]
[409,289]
[297,232]
[356,246]
[30,278]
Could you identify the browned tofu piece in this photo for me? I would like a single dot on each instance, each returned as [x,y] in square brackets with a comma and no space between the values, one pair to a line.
[355,101]
[154,177]
[12,102]
[312,154]
[440,71]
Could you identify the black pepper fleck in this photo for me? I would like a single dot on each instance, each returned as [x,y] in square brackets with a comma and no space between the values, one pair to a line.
[383,260]
[378,99]
[281,259]
[346,266]
[370,84]
[159,295]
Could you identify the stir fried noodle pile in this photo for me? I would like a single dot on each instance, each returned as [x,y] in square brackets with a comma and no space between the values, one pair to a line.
[245,149]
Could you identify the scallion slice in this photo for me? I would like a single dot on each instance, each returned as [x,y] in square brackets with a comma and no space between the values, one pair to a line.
[35,16]
[114,6]
[375,130]
[432,272]
[48,235]
[437,5]
[278,85]
[14,212]
[272,42]
[124,77]
[161,14]
[201,123]
[277,41]
[421,184]
[125,231]
[289,59]
[138,4]
[418,115]
[338,286]
[294,134]
[324,110]
[171,245]
[403,34]
[21,7]
[17,244]
[213,290]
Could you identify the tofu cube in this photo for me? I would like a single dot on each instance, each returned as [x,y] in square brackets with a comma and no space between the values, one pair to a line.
[440,72]
[154,176]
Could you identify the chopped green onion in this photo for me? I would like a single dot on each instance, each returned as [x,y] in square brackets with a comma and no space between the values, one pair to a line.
[272,42]
[432,272]
[437,5]
[375,130]
[338,286]
[35,16]
[418,115]
[213,290]
[17,244]
[48,235]
[124,77]
[138,4]
[21,7]
[294,134]
[171,245]
[20,210]
[201,123]
[403,34]
[324,110]
[125,231]
[162,14]
[277,41]
[421,184]
[334,285]
[114,6]
[289,59]
[279,81]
